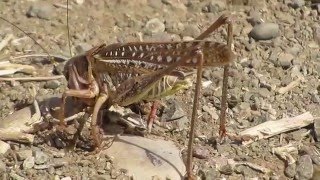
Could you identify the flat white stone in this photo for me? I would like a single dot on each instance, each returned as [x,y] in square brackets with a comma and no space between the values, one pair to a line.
[4,147]
[146,158]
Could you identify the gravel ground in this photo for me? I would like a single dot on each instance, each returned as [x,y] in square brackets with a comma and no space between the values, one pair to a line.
[275,75]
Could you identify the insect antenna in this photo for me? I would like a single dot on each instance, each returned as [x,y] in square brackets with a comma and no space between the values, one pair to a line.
[35,41]
[51,57]
[69,43]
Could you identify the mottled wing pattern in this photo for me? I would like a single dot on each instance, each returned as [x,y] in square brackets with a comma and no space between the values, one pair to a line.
[124,61]
[157,55]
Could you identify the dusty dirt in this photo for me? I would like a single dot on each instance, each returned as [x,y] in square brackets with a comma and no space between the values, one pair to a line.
[260,69]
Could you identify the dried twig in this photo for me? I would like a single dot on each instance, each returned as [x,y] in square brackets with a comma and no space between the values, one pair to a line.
[271,128]
[13,135]
[255,167]
[70,118]
[43,78]
[5,41]
[290,86]
[7,68]
[285,152]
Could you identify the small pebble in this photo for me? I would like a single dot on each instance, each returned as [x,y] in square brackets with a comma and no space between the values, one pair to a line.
[58,153]
[84,163]
[16,176]
[316,32]
[41,10]
[2,167]
[154,26]
[226,169]
[58,143]
[175,111]
[298,134]
[59,162]
[187,38]
[293,50]
[58,69]
[264,31]
[40,157]
[212,174]
[224,148]
[255,18]
[290,170]
[201,152]
[28,163]
[317,128]
[174,27]
[58,172]
[264,92]
[191,30]
[56,177]
[24,154]
[313,153]
[274,56]
[214,7]
[51,170]
[102,177]
[168,2]
[156,4]
[108,166]
[284,18]
[163,36]
[315,98]
[211,110]
[114,173]
[4,147]
[244,105]
[295,71]
[43,166]
[248,46]
[297,3]
[66,178]
[53,84]
[79,2]
[314,13]
[285,60]
[304,168]
[101,171]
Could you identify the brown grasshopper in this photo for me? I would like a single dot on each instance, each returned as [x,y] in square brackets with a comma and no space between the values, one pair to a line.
[127,73]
